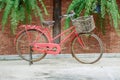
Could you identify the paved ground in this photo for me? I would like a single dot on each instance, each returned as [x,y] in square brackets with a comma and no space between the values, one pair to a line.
[60,69]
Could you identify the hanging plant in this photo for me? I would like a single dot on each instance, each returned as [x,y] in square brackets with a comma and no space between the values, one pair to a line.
[20,11]
[101,7]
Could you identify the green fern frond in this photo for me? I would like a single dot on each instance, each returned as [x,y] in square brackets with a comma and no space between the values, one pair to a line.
[6,13]
[90,6]
[20,11]
[113,12]
[74,4]
[14,16]
[1,4]
[44,7]
[103,8]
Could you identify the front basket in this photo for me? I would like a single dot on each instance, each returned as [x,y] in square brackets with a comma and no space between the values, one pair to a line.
[84,24]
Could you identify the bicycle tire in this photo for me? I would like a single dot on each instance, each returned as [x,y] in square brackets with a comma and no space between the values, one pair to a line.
[22,43]
[92,51]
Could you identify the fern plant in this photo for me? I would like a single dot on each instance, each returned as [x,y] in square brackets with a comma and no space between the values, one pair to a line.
[20,11]
[101,7]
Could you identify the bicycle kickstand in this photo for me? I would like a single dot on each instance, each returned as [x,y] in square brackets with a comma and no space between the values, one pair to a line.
[30,62]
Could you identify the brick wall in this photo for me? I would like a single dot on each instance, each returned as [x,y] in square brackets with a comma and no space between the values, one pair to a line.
[111,40]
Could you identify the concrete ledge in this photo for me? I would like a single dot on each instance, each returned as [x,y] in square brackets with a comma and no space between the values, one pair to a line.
[16,57]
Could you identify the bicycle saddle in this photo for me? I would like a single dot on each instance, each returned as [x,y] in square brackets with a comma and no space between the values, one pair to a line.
[48,23]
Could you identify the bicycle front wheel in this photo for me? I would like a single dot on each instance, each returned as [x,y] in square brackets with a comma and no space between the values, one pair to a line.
[24,49]
[90,52]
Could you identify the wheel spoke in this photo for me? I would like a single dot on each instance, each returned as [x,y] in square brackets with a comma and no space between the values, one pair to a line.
[92,50]
[23,45]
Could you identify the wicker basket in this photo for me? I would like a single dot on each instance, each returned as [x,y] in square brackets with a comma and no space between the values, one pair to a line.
[84,24]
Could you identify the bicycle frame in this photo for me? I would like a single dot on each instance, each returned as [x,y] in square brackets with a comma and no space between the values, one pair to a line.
[36,46]
[51,43]
[64,40]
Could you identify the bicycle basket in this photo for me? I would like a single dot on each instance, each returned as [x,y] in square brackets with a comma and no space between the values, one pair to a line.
[84,24]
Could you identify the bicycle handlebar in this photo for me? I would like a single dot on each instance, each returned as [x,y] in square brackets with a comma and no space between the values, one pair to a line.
[68,15]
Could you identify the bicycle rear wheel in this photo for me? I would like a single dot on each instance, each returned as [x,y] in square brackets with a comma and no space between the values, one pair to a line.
[92,50]
[24,49]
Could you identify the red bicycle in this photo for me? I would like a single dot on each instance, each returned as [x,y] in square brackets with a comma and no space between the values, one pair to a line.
[34,42]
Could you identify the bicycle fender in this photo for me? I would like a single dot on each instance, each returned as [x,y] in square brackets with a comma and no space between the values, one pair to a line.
[31,27]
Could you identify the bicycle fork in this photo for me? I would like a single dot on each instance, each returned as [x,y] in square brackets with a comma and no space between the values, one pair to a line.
[80,41]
